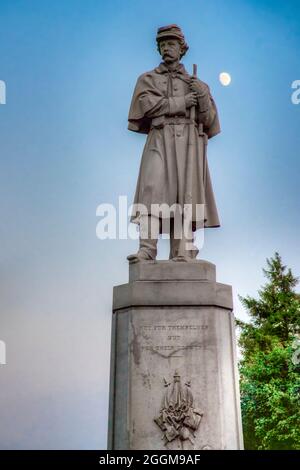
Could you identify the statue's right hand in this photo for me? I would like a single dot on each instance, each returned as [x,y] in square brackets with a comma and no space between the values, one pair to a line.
[191,99]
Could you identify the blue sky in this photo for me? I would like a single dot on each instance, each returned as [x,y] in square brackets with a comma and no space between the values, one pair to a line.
[70,68]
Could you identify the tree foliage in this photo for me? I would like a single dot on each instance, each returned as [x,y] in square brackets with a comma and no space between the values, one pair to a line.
[270,365]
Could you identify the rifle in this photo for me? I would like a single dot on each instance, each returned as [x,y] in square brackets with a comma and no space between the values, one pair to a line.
[191,156]
[190,150]
[193,108]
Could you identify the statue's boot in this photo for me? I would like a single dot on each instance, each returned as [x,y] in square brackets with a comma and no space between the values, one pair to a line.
[147,251]
[148,240]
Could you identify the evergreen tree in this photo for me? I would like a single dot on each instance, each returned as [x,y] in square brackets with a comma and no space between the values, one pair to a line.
[270,365]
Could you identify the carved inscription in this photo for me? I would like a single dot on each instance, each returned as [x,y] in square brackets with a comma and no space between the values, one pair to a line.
[171,339]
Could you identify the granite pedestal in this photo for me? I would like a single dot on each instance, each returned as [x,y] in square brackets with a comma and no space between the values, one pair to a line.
[174,381]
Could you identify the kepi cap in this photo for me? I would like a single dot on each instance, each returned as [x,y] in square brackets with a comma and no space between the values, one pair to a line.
[172,31]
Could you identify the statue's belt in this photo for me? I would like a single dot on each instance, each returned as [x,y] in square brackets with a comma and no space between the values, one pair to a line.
[161,121]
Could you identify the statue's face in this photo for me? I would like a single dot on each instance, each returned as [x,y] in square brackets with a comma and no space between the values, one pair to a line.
[170,50]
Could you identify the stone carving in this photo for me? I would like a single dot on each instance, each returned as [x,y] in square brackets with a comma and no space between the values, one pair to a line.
[174,193]
[178,418]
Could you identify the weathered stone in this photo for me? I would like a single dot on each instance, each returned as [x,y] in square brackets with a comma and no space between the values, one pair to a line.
[179,326]
[179,114]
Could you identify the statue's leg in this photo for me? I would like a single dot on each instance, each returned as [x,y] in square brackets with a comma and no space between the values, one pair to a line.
[149,231]
[182,246]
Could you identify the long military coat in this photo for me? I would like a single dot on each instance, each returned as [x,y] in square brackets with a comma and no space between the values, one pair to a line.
[168,172]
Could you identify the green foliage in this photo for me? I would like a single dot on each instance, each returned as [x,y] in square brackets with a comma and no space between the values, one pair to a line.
[269,373]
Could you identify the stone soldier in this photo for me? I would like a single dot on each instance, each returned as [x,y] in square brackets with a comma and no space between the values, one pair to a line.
[174,166]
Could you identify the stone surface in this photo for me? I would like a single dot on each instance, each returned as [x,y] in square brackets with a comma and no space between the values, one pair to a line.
[179,114]
[179,326]
[166,271]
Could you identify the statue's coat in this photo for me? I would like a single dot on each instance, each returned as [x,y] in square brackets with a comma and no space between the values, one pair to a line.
[158,98]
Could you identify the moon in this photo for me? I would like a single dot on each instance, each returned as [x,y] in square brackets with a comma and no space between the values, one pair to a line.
[225,78]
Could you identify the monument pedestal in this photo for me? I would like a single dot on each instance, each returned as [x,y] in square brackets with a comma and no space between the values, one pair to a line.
[174,382]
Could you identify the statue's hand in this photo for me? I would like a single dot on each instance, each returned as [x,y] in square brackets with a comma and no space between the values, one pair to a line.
[191,99]
[198,87]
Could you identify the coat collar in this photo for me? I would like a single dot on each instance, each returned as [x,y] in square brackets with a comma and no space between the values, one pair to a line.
[162,68]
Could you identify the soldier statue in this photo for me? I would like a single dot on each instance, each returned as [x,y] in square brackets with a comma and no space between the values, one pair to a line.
[178,114]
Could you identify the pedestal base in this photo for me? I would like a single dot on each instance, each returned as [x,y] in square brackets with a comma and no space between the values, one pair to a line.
[173,367]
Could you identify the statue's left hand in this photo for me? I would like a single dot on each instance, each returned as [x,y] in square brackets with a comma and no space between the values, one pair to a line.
[199,87]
